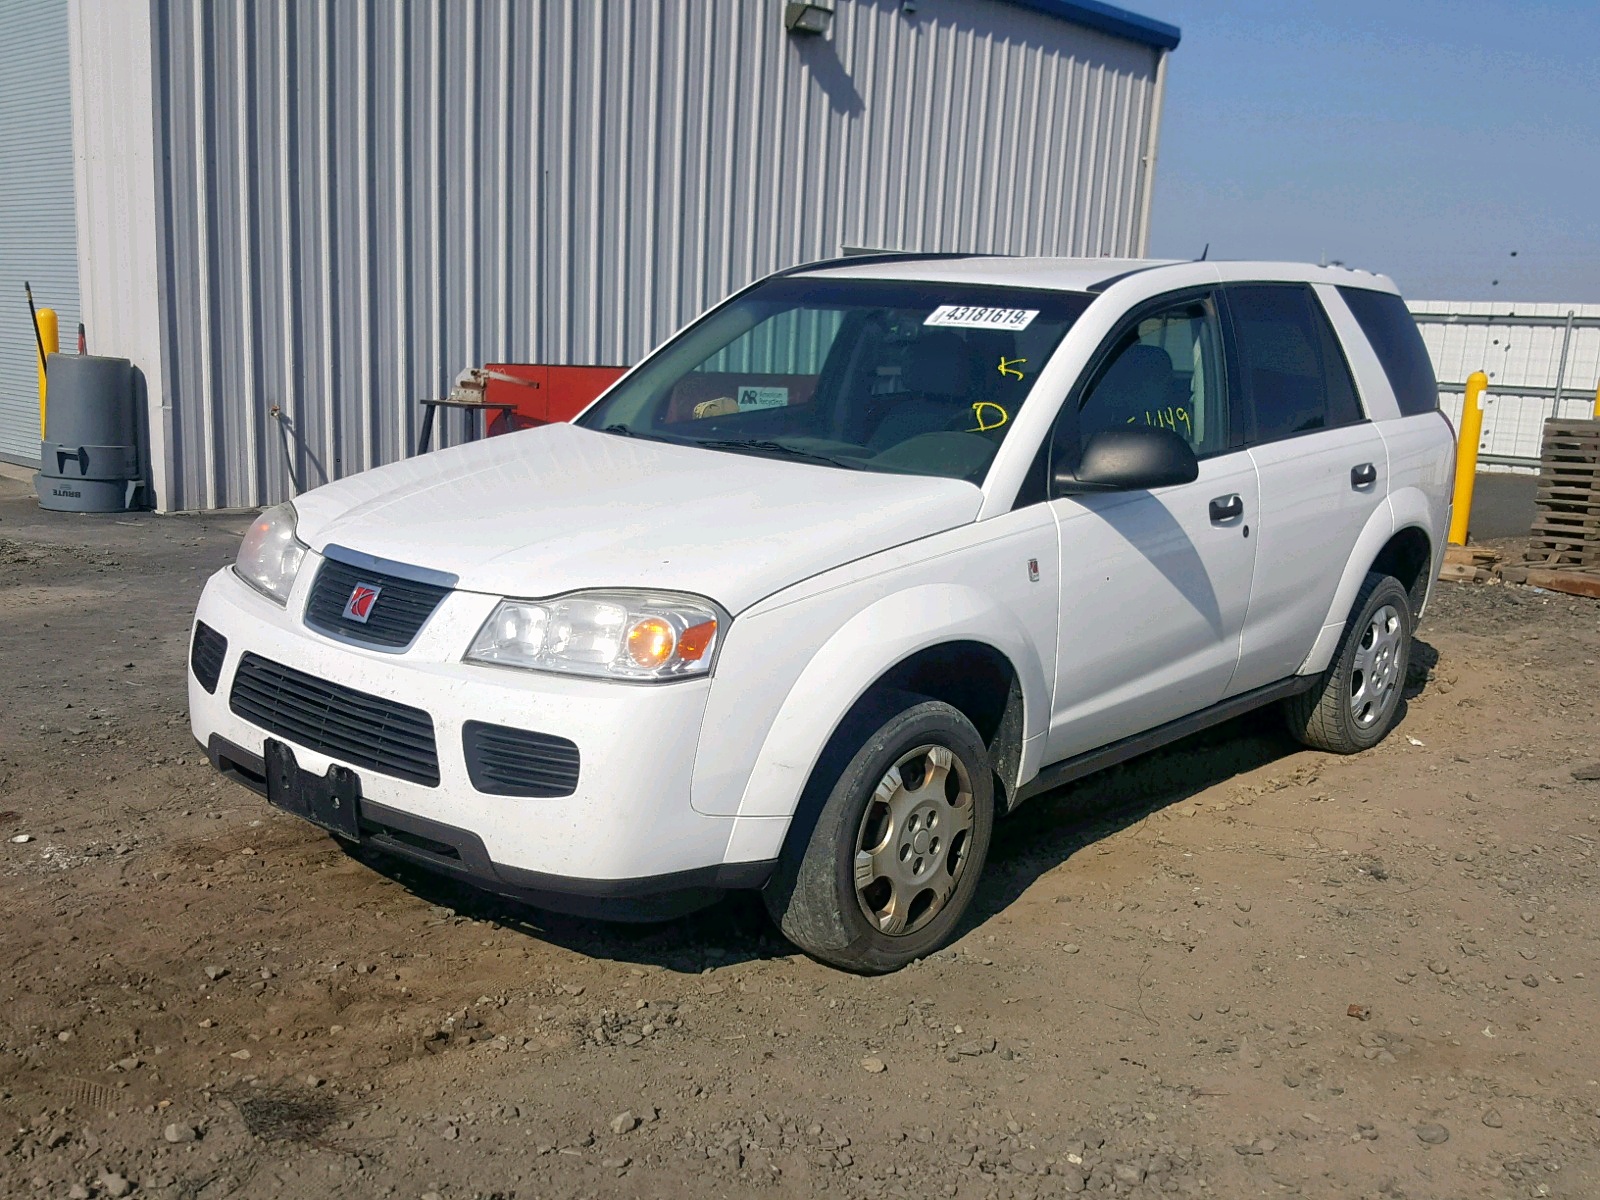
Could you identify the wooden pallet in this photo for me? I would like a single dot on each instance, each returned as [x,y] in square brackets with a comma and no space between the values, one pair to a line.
[1468,564]
[1573,583]
[1566,491]
[1566,525]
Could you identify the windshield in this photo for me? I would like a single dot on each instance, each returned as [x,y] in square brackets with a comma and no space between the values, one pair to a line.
[880,375]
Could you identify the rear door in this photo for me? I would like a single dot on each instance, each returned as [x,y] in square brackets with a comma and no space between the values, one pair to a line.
[1321,464]
[1154,584]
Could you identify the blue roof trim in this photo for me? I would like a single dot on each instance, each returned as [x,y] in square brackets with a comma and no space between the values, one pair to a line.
[1107,18]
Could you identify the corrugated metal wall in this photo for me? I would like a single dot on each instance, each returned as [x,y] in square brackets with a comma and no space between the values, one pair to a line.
[364,197]
[1522,357]
[38,232]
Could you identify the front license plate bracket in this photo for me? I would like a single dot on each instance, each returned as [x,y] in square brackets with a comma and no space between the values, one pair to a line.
[332,801]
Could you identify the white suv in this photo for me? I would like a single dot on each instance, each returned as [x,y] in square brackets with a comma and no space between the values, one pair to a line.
[858,562]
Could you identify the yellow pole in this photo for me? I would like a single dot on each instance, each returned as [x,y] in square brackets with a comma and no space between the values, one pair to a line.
[1467,456]
[1597,404]
[50,333]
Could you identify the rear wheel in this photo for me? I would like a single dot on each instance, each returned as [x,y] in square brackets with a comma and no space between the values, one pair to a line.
[896,852]
[1355,703]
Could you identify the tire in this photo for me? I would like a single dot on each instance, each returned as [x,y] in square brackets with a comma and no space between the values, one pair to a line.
[1357,700]
[921,847]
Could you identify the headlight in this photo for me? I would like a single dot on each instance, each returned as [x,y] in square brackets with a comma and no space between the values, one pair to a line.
[613,635]
[271,555]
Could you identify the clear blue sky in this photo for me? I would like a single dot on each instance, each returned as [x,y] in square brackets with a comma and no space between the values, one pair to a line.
[1421,138]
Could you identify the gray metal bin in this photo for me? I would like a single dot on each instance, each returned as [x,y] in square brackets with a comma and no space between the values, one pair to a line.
[89,461]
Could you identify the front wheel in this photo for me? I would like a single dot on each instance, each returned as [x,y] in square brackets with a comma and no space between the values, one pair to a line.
[1355,703]
[895,855]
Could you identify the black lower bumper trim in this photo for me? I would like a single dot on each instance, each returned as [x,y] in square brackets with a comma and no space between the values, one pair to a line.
[461,854]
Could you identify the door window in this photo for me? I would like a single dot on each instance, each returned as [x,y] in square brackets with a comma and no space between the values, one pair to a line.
[1294,374]
[1164,370]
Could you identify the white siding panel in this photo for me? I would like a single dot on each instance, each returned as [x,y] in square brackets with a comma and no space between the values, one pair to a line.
[1514,354]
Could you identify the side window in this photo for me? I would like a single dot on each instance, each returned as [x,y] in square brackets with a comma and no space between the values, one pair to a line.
[1294,376]
[1164,370]
[1387,322]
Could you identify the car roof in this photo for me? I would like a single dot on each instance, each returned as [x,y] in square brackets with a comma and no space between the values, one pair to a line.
[1081,274]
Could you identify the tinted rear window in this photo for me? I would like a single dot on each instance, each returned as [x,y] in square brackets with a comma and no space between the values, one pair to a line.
[1387,323]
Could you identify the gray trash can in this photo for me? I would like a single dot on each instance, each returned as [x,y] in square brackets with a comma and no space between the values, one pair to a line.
[89,461]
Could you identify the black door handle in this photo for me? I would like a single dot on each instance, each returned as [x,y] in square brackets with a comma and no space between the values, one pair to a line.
[1363,475]
[1227,508]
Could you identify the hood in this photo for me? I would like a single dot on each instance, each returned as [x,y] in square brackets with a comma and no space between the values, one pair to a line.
[559,508]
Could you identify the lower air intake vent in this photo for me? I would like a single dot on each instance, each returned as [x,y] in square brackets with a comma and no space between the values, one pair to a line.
[502,761]
[206,654]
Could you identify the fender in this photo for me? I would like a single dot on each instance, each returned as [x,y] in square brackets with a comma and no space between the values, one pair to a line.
[1379,529]
[1413,507]
[1405,509]
[858,654]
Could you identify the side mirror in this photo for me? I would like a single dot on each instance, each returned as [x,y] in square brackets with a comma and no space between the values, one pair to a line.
[1133,458]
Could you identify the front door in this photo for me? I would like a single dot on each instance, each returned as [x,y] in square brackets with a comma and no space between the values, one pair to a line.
[1154,584]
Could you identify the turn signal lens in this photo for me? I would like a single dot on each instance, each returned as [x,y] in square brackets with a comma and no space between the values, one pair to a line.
[651,642]
[696,640]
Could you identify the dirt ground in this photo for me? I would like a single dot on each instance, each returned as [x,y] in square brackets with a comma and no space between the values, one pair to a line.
[203,998]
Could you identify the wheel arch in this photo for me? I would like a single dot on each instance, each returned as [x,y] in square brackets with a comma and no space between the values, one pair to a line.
[1398,541]
[1408,555]
[973,654]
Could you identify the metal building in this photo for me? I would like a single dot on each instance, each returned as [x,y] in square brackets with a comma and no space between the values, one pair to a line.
[38,234]
[298,217]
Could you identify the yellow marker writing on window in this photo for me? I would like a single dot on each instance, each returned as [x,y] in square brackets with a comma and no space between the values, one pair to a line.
[1176,419]
[1008,367]
[981,413]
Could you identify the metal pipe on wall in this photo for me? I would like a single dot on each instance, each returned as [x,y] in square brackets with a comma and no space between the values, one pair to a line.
[1147,177]
[1561,367]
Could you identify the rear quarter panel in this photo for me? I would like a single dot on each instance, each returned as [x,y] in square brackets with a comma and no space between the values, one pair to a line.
[1422,459]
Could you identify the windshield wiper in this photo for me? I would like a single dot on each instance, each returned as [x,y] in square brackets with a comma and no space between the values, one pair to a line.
[761,447]
[624,431]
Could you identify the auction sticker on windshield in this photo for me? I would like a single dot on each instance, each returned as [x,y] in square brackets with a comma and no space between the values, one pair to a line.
[762,397]
[971,316]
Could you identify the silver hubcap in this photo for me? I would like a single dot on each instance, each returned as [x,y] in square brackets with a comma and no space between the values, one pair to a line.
[912,847]
[1375,675]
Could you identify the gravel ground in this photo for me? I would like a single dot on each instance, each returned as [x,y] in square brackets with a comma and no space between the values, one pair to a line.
[1233,968]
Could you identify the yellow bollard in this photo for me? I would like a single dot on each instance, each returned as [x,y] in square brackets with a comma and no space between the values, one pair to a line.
[50,334]
[1597,404]
[1467,457]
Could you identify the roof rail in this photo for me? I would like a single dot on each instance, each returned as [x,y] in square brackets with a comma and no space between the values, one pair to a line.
[1103,284]
[876,256]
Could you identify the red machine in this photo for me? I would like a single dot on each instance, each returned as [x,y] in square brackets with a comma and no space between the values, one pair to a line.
[550,394]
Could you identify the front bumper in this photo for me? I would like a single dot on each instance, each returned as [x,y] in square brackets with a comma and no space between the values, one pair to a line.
[461,854]
[628,836]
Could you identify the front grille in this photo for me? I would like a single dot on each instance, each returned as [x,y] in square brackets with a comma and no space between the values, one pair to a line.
[206,653]
[396,616]
[502,761]
[362,730]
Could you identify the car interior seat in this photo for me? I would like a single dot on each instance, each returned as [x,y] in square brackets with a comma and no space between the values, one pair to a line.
[937,381]
[1139,384]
